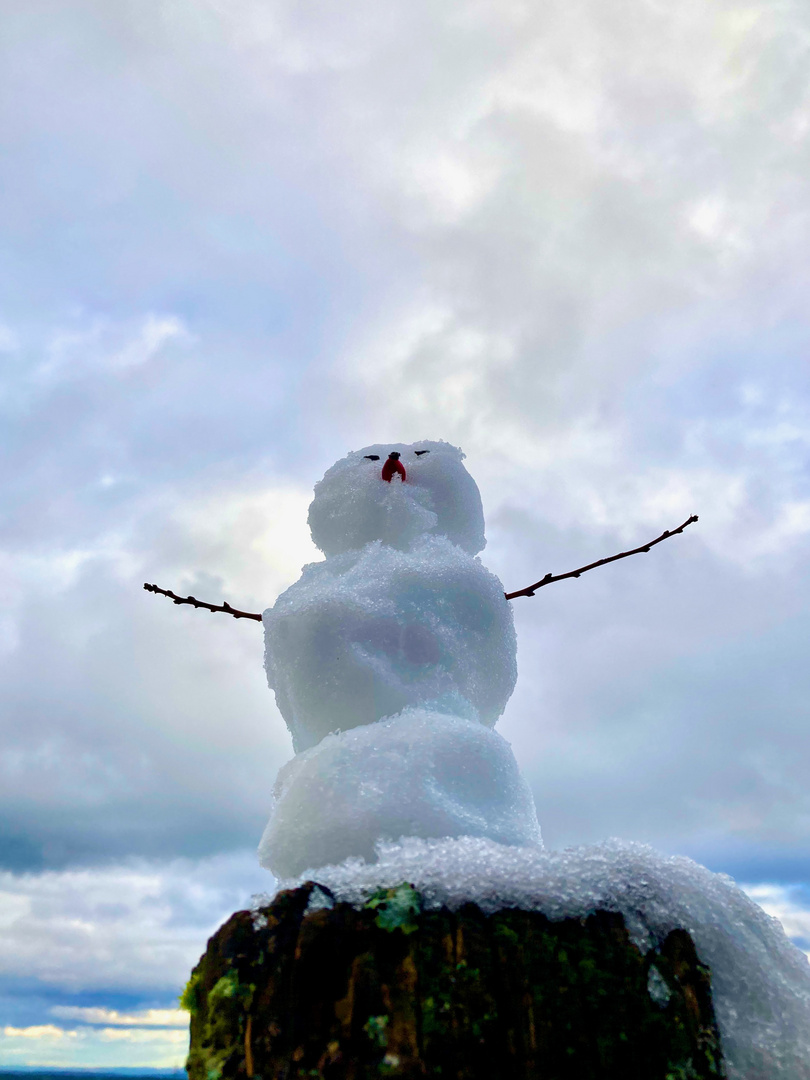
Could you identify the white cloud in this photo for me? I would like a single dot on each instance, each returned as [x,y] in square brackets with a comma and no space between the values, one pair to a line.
[139,1035]
[788,904]
[143,1018]
[140,925]
[256,539]
[13,907]
[98,345]
[38,1031]
[49,1046]
[243,543]
[152,336]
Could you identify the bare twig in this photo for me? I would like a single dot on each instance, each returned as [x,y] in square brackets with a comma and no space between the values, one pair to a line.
[547,580]
[225,606]
[530,590]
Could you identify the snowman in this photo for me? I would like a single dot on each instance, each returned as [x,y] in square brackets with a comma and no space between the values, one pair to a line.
[391,661]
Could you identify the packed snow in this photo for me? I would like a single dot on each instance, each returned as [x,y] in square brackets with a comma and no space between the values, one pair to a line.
[760,980]
[367,633]
[391,660]
[421,773]
[352,506]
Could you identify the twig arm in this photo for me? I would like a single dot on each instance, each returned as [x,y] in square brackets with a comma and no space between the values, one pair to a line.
[224,606]
[547,580]
[530,590]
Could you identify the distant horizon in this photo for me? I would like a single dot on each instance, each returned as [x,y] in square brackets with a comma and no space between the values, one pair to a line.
[28,1070]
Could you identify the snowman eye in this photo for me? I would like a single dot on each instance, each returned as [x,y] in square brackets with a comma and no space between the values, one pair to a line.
[420,452]
[372,457]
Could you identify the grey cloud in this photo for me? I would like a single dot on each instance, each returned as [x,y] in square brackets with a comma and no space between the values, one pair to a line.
[137,925]
[571,238]
[131,725]
[662,697]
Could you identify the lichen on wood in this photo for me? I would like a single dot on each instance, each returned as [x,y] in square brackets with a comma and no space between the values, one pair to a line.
[393,990]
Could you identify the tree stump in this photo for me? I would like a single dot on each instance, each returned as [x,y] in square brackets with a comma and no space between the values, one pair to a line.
[310,988]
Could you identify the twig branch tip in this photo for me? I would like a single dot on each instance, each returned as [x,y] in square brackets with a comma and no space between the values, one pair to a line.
[530,589]
[224,607]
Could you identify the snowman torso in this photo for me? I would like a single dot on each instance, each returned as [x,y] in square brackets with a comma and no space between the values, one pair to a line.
[400,637]
[368,633]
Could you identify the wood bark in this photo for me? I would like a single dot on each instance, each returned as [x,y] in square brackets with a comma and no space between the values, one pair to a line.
[309,988]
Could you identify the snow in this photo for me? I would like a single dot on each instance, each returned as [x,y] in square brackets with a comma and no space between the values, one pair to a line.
[353,506]
[365,634]
[760,980]
[418,774]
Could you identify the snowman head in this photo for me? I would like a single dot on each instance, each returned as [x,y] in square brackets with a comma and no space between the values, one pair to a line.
[365,497]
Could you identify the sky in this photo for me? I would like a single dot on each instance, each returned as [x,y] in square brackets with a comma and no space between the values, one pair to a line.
[240,238]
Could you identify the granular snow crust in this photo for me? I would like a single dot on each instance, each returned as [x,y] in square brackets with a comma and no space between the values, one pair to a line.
[760,980]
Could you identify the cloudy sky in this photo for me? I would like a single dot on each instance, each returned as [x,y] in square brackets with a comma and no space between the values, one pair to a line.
[239,238]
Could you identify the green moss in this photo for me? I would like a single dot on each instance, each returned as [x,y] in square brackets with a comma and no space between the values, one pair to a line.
[435,1010]
[190,998]
[375,1027]
[506,934]
[683,1072]
[396,908]
[229,986]
[220,1019]
[226,987]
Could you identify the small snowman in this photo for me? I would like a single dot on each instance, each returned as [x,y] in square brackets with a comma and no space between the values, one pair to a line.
[391,661]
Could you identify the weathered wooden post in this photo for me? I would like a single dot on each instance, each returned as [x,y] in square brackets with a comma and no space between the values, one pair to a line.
[310,988]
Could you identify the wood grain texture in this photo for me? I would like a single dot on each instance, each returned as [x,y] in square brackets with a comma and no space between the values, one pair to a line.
[393,991]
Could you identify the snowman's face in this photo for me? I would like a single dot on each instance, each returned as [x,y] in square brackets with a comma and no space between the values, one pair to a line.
[368,633]
[354,505]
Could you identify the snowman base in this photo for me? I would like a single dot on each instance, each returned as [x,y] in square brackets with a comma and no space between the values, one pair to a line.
[310,987]
[422,773]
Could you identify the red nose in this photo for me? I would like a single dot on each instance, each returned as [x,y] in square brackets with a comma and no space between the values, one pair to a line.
[392,466]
